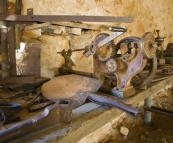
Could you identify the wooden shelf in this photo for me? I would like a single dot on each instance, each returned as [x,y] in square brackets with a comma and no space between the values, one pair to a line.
[87,119]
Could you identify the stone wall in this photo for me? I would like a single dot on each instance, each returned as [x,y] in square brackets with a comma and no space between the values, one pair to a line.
[148,15]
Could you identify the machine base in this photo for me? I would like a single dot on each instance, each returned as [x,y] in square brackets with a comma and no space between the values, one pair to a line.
[121,94]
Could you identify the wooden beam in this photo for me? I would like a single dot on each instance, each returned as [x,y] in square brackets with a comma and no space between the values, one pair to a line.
[36,26]
[60,30]
[84,25]
[12,51]
[54,30]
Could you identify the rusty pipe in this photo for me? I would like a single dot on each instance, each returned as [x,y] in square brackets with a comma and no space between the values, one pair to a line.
[151,74]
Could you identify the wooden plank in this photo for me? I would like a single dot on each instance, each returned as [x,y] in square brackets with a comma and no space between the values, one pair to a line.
[54,29]
[60,30]
[17,80]
[76,31]
[84,25]
[12,51]
[36,26]
[82,126]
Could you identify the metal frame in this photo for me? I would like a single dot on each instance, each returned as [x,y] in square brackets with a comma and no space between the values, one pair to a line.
[25,18]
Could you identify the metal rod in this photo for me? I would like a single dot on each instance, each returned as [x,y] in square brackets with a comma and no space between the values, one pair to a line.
[18,7]
[64,70]
[117,29]
[158,79]
[147,114]
[76,50]
[160,111]
[65,18]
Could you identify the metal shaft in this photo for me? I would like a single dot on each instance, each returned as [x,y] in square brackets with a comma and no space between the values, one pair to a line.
[147,114]
[159,110]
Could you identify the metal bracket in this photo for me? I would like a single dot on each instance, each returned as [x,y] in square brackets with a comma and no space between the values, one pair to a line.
[30,11]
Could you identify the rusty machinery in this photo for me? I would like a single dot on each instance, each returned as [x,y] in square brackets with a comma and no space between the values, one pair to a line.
[164,70]
[129,59]
[164,56]
[10,31]
[115,64]
[25,87]
[121,62]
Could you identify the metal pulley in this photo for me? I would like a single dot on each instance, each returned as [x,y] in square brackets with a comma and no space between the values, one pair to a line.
[148,45]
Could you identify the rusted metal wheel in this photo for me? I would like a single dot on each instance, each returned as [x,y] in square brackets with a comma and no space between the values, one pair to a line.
[148,45]
[105,52]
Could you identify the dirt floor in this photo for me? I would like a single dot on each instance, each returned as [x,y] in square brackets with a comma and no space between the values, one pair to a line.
[160,131]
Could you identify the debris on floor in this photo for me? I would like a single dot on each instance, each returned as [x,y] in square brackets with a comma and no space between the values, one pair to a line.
[160,131]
